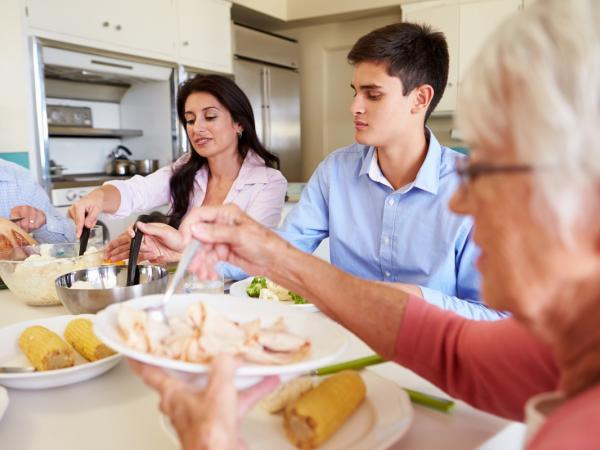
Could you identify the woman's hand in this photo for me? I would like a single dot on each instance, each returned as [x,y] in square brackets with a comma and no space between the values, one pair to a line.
[228,234]
[33,218]
[209,418]
[85,211]
[161,244]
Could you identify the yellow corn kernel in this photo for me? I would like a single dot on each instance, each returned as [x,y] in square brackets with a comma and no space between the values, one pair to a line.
[318,413]
[79,334]
[45,349]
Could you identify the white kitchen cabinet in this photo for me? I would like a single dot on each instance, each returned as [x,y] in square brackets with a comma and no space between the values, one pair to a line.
[444,18]
[467,25]
[478,21]
[148,28]
[205,34]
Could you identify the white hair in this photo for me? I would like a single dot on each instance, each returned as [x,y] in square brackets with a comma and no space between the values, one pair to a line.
[536,87]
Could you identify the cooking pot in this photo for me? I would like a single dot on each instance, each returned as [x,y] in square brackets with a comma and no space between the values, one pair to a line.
[145,166]
[118,163]
[120,167]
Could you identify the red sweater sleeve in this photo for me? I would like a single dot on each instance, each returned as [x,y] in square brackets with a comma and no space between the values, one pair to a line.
[494,366]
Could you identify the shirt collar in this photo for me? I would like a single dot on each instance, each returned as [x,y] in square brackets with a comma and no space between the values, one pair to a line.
[428,176]
[253,171]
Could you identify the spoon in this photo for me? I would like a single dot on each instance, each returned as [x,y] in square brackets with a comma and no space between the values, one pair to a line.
[157,313]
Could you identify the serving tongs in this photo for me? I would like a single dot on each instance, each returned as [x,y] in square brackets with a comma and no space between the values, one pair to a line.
[83,240]
[133,273]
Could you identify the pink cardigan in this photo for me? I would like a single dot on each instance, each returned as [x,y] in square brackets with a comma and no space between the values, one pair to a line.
[495,366]
[258,190]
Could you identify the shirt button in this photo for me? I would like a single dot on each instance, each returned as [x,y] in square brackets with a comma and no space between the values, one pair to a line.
[391,201]
[386,240]
[387,274]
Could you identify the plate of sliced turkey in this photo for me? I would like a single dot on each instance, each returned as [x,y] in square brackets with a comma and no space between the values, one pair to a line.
[267,339]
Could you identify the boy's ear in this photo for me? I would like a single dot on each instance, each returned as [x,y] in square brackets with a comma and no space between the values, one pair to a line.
[422,98]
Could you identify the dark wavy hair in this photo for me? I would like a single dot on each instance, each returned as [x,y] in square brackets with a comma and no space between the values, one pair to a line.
[414,53]
[235,101]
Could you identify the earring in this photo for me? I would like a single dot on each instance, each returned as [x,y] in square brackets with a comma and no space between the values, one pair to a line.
[239,133]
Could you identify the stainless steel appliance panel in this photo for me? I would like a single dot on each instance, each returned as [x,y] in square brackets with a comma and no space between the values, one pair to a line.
[266,47]
[284,113]
[249,78]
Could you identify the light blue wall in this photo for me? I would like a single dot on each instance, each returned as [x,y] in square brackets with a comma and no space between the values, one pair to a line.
[20,158]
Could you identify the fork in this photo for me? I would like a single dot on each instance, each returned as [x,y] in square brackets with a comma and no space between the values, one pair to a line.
[157,313]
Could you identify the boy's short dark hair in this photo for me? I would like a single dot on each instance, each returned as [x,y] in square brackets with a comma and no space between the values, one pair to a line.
[414,53]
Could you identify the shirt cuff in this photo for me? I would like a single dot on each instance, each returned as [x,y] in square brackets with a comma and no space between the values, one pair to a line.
[432,296]
[122,210]
[410,328]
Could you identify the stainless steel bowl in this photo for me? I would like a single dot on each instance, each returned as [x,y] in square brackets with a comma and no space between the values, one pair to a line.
[153,280]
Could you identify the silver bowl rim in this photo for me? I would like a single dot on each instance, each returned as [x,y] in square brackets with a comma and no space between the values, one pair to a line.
[62,279]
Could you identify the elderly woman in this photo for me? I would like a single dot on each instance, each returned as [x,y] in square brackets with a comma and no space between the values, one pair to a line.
[530,109]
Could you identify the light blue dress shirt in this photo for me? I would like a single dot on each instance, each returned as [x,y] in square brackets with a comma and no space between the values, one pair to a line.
[17,187]
[407,235]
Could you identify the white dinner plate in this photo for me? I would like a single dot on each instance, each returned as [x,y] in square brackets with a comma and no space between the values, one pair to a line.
[11,355]
[238,289]
[328,339]
[3,401]
[383,418]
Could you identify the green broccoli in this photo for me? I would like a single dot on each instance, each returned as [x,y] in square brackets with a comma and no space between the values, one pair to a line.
[256,285]
[297,298]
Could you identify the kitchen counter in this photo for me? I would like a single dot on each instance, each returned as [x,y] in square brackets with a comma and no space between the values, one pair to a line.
[117,411]
[82,180]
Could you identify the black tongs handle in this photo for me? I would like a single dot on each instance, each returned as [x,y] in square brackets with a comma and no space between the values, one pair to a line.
[133,274]
[83,240]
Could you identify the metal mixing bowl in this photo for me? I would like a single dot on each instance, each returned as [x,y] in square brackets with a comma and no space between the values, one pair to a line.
[109,285]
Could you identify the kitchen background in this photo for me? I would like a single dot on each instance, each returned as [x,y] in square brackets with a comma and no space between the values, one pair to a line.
[119,63]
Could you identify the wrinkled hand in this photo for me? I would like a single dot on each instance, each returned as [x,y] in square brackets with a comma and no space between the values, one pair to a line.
[161,244]
[33,218]
[229,235]
[209,418]
[85,211]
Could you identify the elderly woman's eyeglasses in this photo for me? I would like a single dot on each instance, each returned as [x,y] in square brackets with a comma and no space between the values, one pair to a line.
[469,172]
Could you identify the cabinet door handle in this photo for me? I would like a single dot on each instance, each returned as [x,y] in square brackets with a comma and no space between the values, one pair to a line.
[118,27]
[450,84]
[105,24]
[185,43]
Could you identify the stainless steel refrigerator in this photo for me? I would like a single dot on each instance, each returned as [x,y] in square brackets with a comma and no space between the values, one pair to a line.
[266,68]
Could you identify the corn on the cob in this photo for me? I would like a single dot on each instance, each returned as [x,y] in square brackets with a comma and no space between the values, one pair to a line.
[45,349]
[315,416]
[79,334]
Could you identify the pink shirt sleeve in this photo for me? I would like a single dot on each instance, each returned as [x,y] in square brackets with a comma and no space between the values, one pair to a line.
[268,202]
[140,193]
[494,366]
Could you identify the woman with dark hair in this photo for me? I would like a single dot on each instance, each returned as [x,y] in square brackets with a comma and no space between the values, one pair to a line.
[228,164]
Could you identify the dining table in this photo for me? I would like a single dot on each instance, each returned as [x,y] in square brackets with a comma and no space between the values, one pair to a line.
[117,411]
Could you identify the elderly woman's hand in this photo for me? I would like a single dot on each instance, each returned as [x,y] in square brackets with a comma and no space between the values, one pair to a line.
[208,418]
[161,244]
[229,235]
